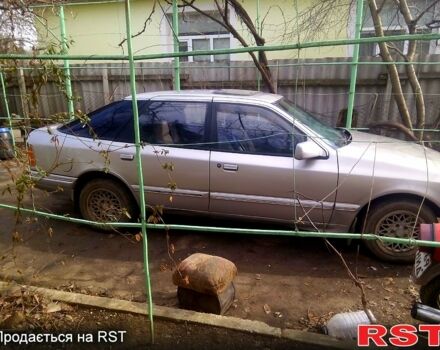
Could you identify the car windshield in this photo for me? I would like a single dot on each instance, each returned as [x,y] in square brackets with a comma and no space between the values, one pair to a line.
[332,136]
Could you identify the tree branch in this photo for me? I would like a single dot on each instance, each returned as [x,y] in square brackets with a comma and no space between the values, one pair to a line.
[421,14]
[261,64]
[147,20]
[392,125]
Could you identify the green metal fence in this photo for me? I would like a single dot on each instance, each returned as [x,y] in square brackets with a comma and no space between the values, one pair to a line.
[143,225]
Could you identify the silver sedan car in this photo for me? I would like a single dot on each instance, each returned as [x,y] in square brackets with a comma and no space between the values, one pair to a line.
[241,154]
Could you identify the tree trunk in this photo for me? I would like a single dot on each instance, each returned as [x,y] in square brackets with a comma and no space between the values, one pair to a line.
[410,70]
[392,69]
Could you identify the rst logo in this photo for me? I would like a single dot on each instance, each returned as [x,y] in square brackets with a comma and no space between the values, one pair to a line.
[401,335]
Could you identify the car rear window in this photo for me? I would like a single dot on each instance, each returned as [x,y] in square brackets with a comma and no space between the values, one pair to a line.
[113,122]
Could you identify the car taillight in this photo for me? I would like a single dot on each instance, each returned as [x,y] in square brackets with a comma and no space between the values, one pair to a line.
[31,156]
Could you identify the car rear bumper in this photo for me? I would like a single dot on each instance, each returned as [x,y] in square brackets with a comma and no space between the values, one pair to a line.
[53,182]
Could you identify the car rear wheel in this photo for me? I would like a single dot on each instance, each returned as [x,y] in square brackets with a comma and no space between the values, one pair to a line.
[396,219]
[105,200]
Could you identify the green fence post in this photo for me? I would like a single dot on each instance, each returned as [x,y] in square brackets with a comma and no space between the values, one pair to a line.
[176,46]
[68,82]
[8,113]
[354,66]
[259,30]
[137,140]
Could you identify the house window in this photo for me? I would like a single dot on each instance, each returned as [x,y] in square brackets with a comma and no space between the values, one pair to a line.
[394,24]
[372,49]
[198,32]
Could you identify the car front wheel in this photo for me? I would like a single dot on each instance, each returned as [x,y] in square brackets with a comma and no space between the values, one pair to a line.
[400,219]
[105,200]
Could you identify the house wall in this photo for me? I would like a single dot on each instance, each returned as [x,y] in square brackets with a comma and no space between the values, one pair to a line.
[99,28]
[289,22]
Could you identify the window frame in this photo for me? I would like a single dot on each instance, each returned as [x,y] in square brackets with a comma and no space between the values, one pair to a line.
[370,30]
[214,131]
[189,40]
[434,47]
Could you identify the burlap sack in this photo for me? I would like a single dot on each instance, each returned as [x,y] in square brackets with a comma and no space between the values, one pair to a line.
[204,273]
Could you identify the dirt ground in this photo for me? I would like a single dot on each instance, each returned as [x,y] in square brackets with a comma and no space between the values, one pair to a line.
[286,282]
[137,334]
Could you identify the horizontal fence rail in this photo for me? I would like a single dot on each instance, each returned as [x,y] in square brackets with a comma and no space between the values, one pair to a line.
[214,229]
[268,48]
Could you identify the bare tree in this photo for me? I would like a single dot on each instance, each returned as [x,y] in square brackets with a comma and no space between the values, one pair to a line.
[18,35]
[17,31]
[223,7]
[412,16]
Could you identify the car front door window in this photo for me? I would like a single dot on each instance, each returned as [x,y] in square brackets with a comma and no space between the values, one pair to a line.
[252,129]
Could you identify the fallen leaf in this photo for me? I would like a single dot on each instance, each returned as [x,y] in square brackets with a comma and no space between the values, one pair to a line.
[52,307]
[266,308]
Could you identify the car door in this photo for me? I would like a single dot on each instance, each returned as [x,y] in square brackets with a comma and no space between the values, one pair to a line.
[175,155]
[252,167]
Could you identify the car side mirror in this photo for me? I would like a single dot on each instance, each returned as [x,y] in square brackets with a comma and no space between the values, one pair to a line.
[309,150]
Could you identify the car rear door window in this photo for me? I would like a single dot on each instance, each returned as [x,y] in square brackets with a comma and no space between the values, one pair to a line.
[113,122]
[177,123]
[253,129]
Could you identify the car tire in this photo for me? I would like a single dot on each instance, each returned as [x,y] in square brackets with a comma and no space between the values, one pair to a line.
[396,219]
[430,293]
[105,200]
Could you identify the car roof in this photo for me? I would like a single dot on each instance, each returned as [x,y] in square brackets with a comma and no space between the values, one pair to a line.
[232,94]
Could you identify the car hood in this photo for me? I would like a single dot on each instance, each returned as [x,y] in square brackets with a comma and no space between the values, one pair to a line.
[390,157]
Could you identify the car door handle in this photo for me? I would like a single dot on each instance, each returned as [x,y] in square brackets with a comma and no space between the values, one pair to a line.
[230,167]
[126,156]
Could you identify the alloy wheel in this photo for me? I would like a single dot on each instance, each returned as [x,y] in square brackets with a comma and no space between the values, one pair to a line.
[104,205]
[400,224]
